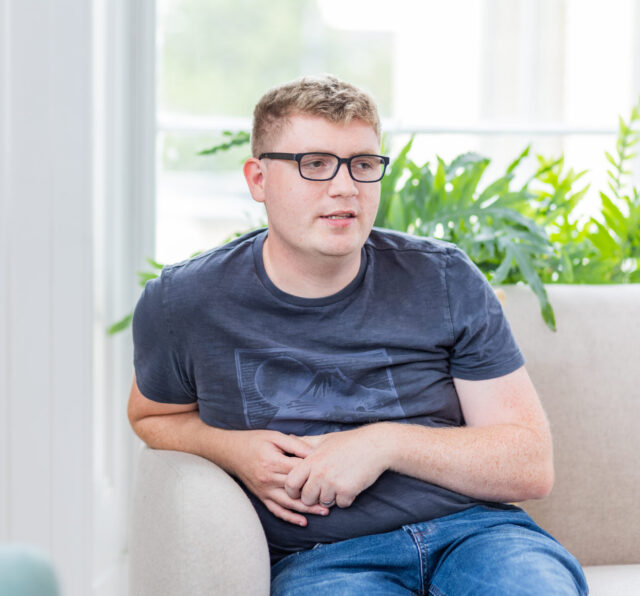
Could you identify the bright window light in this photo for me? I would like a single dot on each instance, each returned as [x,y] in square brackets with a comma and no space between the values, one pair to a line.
[490,76]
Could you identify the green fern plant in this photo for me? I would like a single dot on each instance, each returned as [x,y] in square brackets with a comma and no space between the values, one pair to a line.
[618,237]
[448,201]
[232,139]
[528,234]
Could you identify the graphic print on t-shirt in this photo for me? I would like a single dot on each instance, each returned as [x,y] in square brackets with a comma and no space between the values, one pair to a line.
[292,390]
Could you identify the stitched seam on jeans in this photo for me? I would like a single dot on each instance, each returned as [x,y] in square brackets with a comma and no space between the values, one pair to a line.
[423,563]
[435,592]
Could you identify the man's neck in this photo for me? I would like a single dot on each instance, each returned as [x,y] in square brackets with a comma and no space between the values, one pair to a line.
[308,277]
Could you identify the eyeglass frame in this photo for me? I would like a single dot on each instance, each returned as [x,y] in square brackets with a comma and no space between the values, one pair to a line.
[298,158]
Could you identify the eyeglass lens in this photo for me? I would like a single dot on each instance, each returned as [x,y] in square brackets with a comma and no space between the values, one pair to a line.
[364,168]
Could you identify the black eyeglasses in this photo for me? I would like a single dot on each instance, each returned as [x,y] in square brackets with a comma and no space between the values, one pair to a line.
[325,166]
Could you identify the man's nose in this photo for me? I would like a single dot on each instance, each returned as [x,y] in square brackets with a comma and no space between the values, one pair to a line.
[342,182]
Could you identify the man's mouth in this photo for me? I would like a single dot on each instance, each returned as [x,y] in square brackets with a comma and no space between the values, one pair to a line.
[339,216]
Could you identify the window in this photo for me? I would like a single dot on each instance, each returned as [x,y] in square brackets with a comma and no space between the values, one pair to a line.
[489,76]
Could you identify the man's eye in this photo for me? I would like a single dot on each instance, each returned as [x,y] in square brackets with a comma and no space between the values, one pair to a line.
[315,162]
[364,164]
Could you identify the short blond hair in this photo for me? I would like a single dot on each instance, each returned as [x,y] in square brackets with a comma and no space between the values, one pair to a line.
[324,95]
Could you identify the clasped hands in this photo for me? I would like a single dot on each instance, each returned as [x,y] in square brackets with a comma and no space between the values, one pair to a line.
[293,475]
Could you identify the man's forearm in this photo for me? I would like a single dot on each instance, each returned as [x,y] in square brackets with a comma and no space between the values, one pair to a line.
[498,463]
[187,432]
[260,459]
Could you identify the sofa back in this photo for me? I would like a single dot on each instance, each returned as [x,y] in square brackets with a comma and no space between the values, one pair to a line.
[587,375]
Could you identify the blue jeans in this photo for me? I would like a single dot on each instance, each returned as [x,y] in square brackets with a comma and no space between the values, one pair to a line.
[478,551]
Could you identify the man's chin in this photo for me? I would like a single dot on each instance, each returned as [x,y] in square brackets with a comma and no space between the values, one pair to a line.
[340,250]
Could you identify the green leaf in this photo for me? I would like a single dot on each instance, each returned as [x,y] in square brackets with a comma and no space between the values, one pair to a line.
[513,216]
[526,267]
[567,267]
[423,191]
[497,188]
[464,185]
[603,242]
[155,264]
[610,159]
[396,215]
[624,129]
[613,216]
[389,184]
[516,162]
[546,168]
[512,199]
[439,182]
[577,197]
[397,166]
[464,161]
[145,276]
[121,325]
[500,274]
[239,138]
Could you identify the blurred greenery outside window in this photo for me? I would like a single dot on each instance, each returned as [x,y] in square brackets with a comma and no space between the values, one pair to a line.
[490,76]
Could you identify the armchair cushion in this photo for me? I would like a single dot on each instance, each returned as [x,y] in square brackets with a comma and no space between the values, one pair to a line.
[194,531]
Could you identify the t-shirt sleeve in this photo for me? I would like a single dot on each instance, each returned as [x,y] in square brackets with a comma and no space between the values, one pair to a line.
[159,371]
[483,344]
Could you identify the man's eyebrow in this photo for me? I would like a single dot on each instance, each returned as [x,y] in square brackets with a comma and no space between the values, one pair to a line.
[367,152]
[359,152]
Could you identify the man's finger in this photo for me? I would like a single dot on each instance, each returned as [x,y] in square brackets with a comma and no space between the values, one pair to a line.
[296,505]
[278,479]
[285,514]
[327,499]
[310,493]
[296,479]
[285,464]
[344,501]
[312,440]
[292,444]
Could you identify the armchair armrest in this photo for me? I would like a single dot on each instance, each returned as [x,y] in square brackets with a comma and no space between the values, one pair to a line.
[193,530]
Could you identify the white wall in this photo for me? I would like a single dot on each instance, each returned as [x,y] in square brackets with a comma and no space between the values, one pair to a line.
[76,184]
[47,281]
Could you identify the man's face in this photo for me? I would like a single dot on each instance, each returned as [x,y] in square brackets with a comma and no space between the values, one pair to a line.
[302,213]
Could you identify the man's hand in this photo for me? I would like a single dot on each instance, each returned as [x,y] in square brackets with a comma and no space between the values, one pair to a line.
[342,465]
[257,457]
[262,465]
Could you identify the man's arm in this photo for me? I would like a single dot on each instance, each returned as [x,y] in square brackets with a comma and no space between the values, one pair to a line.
[503,454]
[257,457]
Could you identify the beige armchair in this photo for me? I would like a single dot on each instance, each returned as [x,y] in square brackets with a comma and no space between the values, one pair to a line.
[194,532]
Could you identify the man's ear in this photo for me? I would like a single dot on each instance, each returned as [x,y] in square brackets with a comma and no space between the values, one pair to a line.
[254,174]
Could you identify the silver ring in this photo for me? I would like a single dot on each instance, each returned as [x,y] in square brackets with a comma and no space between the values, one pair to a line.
[328,504]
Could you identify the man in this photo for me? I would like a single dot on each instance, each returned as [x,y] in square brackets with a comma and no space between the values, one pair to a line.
[363,386]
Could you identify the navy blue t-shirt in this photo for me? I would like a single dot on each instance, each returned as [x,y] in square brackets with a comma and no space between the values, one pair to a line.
[216,330]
